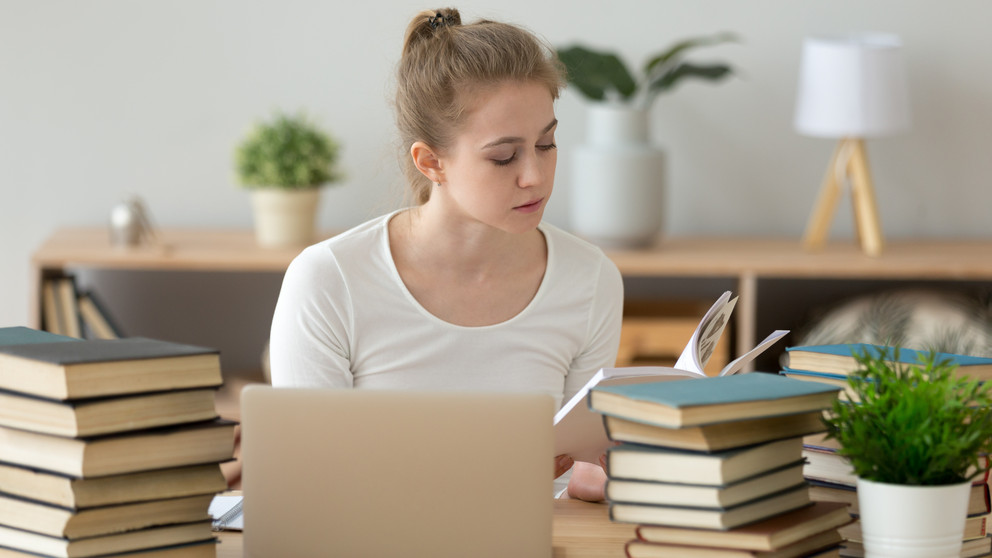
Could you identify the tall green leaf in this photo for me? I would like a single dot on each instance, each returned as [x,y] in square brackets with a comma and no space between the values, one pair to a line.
[596,73]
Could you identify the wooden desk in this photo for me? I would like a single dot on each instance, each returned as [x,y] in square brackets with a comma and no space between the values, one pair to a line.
[744,261]
[578,530]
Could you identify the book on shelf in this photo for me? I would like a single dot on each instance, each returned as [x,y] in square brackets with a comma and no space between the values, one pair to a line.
[971,548]
[813,545]
[827,465]
[18,540]
[711,518]
[103,367]
[579,431]
[716,436]
[74,492]
[106,415]
[847,393]
[19,335]
[114,454]
[703,495]
[710,400]
[840,358]
[59,306]
[978,496]
[96,320]
[55,521]
[50,313]
[660,464]
[768,534]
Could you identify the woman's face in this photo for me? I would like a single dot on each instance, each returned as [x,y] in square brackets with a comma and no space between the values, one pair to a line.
[500,169]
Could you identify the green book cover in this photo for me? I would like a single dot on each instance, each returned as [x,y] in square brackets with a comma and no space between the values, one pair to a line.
[103,350]
[908,356]
[20,335]
[755,386]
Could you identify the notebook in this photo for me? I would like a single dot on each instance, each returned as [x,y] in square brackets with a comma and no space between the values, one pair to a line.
[390,473]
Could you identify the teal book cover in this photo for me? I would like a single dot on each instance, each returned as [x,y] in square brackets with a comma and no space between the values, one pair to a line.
[755,386]
[909,356]
[826,375]
[20,335]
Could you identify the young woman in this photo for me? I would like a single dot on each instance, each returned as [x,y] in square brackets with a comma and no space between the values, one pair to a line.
[468,289]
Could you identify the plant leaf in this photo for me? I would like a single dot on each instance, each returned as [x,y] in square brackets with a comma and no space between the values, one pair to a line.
[597,73]
[681,46]
[670,78]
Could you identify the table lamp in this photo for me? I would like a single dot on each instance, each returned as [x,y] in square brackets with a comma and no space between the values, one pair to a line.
[850,87]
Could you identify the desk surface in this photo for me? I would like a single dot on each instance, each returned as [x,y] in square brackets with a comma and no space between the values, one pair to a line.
[578,530]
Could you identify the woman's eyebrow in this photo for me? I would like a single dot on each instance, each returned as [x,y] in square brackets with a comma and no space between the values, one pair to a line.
[515,139]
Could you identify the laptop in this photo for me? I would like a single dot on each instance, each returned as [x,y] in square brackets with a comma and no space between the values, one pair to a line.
[396,473]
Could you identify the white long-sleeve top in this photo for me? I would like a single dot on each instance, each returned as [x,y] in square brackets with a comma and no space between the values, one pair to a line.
[345,319]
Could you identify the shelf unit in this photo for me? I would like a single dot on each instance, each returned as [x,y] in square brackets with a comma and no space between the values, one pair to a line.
[743,262]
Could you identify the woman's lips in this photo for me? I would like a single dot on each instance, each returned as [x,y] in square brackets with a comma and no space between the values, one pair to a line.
[530,207]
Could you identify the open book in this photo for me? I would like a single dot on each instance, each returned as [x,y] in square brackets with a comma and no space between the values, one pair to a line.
[579,432]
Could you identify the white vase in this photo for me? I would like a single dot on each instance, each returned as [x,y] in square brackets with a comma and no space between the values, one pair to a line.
[617,180]
[901,521]
[284,218]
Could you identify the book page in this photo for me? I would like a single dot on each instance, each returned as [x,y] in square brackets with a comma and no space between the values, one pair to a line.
[738,363]
[704,339]
[579,431]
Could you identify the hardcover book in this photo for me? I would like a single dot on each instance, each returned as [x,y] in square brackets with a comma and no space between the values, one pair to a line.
[711,518]
[769,534]
[717,436]
[711,400]
[840,358]
[702,495]
[171,446]
[637,462]
[75,493]
[16,542]
[54,521]
[90,417]
[810,547]
[103,367]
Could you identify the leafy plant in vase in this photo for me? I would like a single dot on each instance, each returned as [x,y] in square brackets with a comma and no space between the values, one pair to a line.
[617,186]
[284,162]
[917,437]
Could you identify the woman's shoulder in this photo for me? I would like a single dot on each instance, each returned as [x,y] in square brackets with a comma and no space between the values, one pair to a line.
[357,244]
[566,246]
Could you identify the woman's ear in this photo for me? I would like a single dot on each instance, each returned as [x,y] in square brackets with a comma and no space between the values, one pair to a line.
[427,161]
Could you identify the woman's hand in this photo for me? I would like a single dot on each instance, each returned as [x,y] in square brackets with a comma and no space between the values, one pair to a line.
[588,481]
[562,464]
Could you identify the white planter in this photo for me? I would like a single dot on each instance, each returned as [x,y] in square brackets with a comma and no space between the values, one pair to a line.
[284,218]
[617,180]
[902,521]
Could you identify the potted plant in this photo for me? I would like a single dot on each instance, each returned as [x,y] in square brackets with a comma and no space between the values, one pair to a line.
[284,162]
[617,179]
[916,438]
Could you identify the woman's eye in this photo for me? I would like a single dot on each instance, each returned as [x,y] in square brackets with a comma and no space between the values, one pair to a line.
[547,146]
[504,162]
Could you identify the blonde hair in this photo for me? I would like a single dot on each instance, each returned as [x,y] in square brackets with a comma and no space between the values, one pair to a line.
[443,61]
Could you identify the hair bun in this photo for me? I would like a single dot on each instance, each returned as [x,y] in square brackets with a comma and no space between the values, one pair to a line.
[445,17]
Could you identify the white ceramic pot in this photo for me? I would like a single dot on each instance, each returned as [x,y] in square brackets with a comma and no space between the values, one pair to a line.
[900,521]
[284,218]
[617,180]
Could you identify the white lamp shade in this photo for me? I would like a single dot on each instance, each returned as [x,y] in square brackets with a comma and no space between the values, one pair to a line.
[852,86]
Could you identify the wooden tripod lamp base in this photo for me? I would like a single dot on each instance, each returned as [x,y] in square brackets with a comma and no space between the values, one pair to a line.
[849,163]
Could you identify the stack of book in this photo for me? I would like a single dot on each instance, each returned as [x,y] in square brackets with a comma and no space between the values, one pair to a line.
[831,476]
[108,446]
[713,466]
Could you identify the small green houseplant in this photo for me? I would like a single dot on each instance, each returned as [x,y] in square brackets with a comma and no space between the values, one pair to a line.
[915,424]
[283,162]
[915,435]
[602,76]
[289,152]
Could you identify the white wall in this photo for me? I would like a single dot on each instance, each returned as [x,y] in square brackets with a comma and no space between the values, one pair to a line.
[104,98]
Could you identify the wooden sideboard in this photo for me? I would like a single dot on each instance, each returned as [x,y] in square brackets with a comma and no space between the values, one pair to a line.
[744,263]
